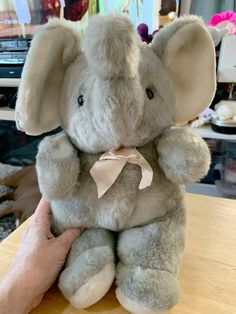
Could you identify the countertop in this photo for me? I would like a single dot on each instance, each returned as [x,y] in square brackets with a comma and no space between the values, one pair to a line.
[207,274]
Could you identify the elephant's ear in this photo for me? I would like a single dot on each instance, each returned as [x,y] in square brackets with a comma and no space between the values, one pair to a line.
[53,48]
[187,50]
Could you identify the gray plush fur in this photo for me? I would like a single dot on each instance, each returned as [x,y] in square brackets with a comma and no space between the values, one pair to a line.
[89,254]
[149,258]
[112,69]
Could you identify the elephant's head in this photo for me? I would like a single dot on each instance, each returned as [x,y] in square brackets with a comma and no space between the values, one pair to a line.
[108,89]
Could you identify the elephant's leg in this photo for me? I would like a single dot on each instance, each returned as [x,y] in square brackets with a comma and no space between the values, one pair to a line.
[149,259]
[90,268]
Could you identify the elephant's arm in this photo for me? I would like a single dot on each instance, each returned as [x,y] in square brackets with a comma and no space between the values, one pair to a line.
[183,155]
[57,166]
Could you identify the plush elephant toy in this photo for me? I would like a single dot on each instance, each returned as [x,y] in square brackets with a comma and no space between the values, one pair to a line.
[117,101]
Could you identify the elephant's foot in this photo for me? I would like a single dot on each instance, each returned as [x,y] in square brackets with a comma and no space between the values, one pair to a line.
[146,291]
[135,307]
[93,290]
[89,277]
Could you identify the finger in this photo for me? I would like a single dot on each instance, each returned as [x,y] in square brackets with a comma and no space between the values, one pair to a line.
[36,302]
[42,213]
[50,235]
[43,208]
[66,239]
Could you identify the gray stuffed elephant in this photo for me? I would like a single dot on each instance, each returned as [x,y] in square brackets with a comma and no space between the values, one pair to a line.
[113,94]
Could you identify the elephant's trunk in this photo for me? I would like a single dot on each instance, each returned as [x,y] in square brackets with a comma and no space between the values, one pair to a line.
[111,46]
[120,109]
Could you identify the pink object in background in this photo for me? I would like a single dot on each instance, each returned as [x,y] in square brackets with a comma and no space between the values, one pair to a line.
[224,20]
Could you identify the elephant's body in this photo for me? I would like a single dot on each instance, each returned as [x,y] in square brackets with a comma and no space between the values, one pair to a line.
[149,224]
[124,205]
[109,91]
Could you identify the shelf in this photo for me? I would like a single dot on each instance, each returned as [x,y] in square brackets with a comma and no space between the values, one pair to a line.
[7,114]
[9,82]
[207,132]
[203,188]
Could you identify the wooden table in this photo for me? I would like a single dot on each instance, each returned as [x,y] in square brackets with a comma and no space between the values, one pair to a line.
[208,272]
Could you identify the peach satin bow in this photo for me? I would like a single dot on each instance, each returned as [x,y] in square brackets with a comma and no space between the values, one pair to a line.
[106,170]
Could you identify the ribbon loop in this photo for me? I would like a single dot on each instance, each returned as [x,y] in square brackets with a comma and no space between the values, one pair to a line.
[106,170]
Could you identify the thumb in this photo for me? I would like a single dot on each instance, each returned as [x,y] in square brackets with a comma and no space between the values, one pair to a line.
[66,239]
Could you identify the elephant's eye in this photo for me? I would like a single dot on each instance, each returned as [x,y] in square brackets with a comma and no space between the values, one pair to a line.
[80,100]
[149,93]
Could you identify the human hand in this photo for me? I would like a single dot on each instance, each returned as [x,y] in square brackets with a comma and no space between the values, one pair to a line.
[36,264]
